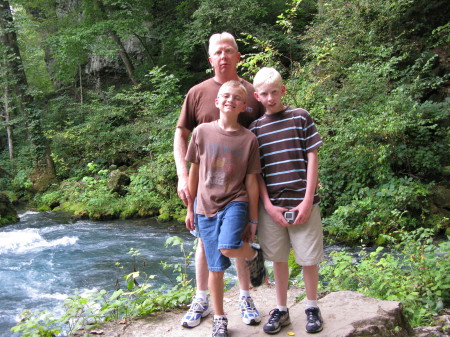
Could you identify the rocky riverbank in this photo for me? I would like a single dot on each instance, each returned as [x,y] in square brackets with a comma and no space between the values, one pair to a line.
[346,314]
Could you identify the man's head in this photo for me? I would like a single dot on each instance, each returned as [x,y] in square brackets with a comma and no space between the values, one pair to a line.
[269,89]
[223,55]
[231,97]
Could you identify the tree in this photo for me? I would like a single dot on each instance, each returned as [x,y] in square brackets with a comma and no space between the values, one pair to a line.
[18,87]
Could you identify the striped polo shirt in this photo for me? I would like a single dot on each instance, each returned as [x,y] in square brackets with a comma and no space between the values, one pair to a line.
[284,140]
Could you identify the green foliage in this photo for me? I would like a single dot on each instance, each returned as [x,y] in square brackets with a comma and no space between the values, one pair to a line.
[137,299]
[377,211]
[294,269]
[384,144]
[414,271]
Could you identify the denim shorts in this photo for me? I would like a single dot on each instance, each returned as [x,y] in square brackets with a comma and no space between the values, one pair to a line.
[222,231]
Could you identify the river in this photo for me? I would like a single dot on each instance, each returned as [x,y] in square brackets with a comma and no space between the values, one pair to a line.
[47,257]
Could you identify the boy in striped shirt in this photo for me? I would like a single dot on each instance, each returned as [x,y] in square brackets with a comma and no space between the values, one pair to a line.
[288,142]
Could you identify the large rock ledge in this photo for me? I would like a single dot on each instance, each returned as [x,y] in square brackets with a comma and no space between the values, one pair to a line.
[346,314]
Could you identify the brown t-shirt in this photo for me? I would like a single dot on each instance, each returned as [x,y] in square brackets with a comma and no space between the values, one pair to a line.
[199,105]
[224,158]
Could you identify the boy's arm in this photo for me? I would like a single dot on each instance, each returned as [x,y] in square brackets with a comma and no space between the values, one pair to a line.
[193,186]
[251,185]
[275,212]
[312,175]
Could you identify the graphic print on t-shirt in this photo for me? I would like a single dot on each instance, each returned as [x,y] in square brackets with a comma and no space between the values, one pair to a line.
[222,161]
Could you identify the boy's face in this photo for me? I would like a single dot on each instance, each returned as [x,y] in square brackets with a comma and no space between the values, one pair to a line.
[270,96]
[224,57]
[231,100]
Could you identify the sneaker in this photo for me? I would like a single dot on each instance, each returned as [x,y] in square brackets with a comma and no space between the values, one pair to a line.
[314,320]
[219,328]
[250,315]
[258,272]
[199,308]
[277,320]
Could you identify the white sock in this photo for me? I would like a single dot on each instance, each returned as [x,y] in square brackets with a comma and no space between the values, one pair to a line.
[201,294]
[282,307]
[243,293]
[311,304]
[220,316]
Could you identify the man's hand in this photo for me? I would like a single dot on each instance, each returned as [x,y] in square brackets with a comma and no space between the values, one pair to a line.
[183,190]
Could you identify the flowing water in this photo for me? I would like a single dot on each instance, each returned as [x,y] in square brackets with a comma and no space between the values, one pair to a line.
[47,257]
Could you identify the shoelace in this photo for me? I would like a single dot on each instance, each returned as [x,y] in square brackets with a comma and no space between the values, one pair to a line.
[249,304]
[196,307]
[275,316]
[220,326]
[311,317]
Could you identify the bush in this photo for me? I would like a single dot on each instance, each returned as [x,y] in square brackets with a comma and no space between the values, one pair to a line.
[414,271]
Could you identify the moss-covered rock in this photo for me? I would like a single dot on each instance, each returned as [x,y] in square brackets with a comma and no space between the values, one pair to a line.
[8,213]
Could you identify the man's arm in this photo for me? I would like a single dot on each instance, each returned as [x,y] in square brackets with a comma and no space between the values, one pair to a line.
[192,190]
[180,144]
[312,175]
[276,213]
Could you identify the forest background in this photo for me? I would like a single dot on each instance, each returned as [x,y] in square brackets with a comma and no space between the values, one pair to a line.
[91,91]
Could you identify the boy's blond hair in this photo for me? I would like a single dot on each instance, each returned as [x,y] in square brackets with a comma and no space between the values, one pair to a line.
[235,84]
[267,75]
[224,36]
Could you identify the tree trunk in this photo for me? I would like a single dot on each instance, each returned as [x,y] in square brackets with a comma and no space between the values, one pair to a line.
[7,119]
[22,100]
[122,52]
[124,57]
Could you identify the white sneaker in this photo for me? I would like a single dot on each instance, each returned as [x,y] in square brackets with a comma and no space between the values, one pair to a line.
[199,308]
[250,315]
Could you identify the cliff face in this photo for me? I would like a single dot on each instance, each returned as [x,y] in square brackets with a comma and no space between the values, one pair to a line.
[8,213]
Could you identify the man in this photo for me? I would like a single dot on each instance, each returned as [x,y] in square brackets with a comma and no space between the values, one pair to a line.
[199,107]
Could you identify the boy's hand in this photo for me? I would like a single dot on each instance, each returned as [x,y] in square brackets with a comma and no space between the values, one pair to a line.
[190,224]
[249,232]
[304,212]
[277,215]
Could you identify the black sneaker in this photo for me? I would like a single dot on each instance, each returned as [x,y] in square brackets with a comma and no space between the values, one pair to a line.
[219,328]
[277,320]
[314,321]
[258,272]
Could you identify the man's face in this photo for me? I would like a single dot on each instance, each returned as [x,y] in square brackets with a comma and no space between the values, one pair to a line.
[224,57]
[231,100]
[270,96]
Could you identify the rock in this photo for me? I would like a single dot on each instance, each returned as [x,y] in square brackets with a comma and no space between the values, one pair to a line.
[118,182]
[345,313]
[8,213]
[440,328]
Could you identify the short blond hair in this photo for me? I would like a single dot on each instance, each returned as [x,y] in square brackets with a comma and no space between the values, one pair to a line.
[267,75]
[224,36]
[237,85]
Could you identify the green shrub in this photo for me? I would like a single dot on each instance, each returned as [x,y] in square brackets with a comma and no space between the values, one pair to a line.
[414,270]
[137,298]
